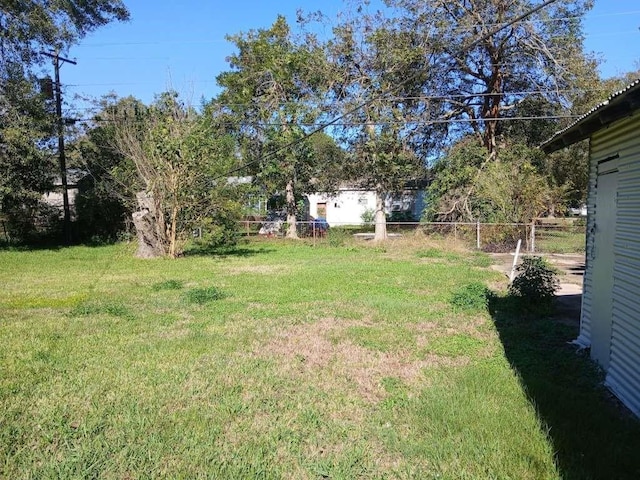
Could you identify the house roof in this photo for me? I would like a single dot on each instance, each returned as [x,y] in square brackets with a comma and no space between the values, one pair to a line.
[619,105]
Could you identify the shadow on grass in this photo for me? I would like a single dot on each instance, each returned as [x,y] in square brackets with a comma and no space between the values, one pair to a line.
[25,247]
[593,435]
[231,251]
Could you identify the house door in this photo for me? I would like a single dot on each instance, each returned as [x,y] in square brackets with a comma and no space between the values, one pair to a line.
[322,210]
[603,260]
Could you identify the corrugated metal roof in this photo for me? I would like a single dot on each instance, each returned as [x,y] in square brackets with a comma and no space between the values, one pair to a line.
[579,130]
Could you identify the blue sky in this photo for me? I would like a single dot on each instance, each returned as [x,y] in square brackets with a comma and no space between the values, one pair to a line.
[182,44]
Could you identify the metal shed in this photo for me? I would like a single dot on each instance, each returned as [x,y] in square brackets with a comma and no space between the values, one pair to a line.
[610,318]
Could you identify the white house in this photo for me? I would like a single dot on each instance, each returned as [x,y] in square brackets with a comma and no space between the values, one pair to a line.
[55,197]
[348,205]
[610,319]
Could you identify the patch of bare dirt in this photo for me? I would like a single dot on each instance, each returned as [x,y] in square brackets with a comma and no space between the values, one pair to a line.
[308,350]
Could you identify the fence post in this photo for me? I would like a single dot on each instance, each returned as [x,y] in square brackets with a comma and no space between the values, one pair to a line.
[533,237]
[455,231]
[478,234]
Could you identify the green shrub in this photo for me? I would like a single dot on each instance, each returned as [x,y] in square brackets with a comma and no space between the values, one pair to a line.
[368,215]
[471,297]
[536,282]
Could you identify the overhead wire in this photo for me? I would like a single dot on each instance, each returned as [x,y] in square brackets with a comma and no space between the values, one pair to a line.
[416,121]
[442,97]
[460,28]
[362,105]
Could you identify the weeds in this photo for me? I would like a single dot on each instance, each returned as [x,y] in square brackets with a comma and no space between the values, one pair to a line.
[200,296]
[167,285]
[535,284]
[472,297]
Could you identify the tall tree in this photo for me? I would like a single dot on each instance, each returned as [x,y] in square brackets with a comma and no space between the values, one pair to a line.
[26,120]
[378,73]
[179,158]
[26,153]
[487,65]
[26,27]
[273,88]
[106,195]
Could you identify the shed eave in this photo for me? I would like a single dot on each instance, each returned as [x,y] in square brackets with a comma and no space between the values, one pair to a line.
[619,105]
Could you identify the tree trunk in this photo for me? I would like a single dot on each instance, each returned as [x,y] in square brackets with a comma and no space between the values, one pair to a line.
[173,235]
[380,218]
[146,223]
[292,231]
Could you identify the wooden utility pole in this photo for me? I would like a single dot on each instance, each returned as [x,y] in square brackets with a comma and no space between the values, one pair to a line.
[60,123]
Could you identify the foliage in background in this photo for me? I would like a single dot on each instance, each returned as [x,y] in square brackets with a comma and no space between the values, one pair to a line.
[272,89]
[343,363]
[26,113]
[512,189]
[179,158]
[482,73]
[368,215]
[371,55]
[27,156]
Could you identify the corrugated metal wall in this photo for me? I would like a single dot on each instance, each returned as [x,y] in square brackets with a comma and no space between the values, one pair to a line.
[623,375]
[587,296]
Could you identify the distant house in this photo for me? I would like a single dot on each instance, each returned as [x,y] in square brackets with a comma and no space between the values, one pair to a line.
[55,198]
[349,205]
[610,319]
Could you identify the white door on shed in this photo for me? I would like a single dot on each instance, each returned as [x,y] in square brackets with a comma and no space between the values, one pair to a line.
[605,227]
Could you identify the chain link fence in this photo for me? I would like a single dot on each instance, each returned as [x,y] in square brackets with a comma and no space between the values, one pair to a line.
[563,235]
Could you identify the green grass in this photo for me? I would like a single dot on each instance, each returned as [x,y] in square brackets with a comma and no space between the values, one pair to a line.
[288,360]
[555,240]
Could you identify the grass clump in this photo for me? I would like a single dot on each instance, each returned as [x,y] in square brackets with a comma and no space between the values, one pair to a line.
[455,345]
[472,297]
[114,309]
[200,296]
[167,285]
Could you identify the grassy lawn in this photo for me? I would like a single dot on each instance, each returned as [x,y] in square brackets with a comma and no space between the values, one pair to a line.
[557,240]
[294,361]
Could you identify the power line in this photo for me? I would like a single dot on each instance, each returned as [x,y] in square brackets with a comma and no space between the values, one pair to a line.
[443,97]
[465,28]
[383,94]
[413,121]
[60,127]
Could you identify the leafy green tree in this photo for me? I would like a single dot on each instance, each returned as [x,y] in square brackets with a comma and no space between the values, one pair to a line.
[467,186]
[26,120]
[486,65]
[273,89]
[106,196]
[371,63]
[179,158]
[453,175]
[26,155]
[28,27]
[494,73]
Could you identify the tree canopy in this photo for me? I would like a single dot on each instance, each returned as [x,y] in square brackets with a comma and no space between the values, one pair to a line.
[27,119]
[458,91]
